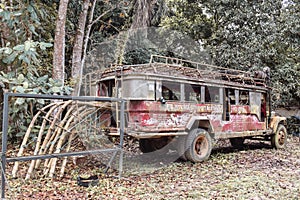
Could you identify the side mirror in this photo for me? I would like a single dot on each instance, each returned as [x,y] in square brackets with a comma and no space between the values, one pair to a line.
[162,100]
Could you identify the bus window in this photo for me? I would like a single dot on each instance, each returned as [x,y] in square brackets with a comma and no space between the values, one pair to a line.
[243,97]
[107,88]
[171,91]
[255,103]
[212,94]
[229,100]
[230,94]
[193,93]
[263,107]
[102,89]
[138,89]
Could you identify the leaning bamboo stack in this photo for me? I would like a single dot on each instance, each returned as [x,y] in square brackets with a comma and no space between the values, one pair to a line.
[58,128]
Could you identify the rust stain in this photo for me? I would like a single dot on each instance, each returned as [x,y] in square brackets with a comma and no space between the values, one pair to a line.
[149,115]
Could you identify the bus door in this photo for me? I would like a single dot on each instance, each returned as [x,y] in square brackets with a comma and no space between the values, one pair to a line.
[255,104]
[228,100]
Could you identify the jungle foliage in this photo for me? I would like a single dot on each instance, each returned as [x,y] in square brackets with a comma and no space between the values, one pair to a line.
[247,35]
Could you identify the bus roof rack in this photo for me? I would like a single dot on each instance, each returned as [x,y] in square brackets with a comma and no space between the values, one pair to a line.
[176,67]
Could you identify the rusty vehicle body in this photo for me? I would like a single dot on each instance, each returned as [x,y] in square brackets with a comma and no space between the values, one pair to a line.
[192,103]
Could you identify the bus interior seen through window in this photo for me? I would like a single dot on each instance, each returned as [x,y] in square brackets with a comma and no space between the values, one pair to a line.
[107,88]
[171,91]
[212,94]
[192,93]
[243,97]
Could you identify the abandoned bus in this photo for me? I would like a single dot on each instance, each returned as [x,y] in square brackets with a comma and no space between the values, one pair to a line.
[171,99]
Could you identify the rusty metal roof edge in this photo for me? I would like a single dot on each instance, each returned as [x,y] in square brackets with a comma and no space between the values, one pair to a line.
[176,69]
[178,66]
[203,80]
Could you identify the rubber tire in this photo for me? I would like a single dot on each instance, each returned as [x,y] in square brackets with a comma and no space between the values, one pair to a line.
[181,147]
[195,138]
[279,139]
[237,142]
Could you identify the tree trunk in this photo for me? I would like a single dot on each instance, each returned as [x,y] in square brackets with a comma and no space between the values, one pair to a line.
[59,43]
[143,13]
[91,22]
[78,48]
[141,19]
[4,33]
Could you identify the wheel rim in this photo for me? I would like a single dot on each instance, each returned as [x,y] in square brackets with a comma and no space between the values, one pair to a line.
[201,146]
[281,137]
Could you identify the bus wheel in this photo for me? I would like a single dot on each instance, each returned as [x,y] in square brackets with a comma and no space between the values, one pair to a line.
[199,145]
[181,147]
[237,142]
[278,140]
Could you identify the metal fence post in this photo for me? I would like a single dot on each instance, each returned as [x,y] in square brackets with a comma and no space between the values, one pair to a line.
[122,127]
[4,143]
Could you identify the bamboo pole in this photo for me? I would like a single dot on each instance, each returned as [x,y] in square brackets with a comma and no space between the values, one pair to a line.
[48,136]
[26,136]
[64,104]
[48,162]
[71,137]
[56,136]
[51,143]
[64,163]
[60,143]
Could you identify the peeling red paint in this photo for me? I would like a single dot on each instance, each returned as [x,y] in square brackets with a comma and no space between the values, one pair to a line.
[234,101]
[150,115]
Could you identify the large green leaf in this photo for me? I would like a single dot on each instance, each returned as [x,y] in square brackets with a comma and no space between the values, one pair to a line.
[9,59]
[21,78]
[6,50]
[19,47]
[27,45]
[56,89]
[20,89]
[44,45]
[20,101]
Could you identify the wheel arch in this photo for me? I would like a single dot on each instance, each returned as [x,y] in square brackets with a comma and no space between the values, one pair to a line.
[275,121]
[199,122]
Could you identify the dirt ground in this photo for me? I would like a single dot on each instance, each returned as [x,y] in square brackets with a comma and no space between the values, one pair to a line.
[255,172]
